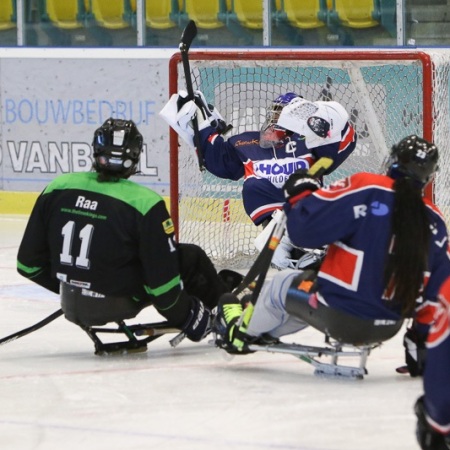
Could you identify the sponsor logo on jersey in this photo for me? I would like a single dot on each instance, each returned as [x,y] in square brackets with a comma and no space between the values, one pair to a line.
[379,209]
[375,208]
[168,226]
[276,171]
[240,143]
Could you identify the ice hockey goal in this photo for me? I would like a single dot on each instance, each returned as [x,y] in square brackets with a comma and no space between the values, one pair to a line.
[388,94]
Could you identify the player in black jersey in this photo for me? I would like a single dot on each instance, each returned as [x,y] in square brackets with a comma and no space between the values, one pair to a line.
[107,245]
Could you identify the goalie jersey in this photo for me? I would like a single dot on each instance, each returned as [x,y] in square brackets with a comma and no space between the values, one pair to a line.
[265,170]
[354,215]
[79,223]
[242,157]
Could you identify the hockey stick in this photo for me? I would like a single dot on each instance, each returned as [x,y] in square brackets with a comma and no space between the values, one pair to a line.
[261,265]
[42,323]
[187,37]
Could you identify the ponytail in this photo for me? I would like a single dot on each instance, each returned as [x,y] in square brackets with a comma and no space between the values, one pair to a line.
[408,256]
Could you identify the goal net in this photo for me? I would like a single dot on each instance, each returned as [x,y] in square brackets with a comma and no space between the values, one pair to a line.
[388,95]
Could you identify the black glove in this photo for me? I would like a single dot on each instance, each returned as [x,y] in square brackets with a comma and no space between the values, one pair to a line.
[299,185]
[415,352]
[428,438]
[198,324]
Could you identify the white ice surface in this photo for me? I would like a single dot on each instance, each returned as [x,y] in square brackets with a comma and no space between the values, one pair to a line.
[56,394]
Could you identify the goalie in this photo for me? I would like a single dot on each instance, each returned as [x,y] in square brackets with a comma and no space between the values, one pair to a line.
[295,134]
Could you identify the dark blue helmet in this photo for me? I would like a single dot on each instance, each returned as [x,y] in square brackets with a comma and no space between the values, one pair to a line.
[413,157]
[117,148]
[284,99]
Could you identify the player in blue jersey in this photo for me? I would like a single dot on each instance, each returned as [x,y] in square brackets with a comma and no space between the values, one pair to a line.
[386,260]
[295,134]
[108,244]
[433,408]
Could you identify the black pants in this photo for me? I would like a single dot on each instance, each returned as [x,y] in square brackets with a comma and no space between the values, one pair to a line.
[200,280]
[84,307]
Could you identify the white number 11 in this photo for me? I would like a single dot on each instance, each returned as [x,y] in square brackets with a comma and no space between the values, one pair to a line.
[85,235]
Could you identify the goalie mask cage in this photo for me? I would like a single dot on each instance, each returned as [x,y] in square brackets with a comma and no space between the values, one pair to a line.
[388,95]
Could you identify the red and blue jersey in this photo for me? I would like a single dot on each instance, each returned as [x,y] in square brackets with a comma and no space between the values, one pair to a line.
[353,217]
[437,369]
[241,156]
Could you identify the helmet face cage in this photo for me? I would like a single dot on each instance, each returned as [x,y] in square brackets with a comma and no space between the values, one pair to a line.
[117,148]
[413,157]
[271,134]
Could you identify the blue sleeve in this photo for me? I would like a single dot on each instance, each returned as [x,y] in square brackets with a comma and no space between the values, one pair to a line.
[221,157]
[436,380]
[313,222]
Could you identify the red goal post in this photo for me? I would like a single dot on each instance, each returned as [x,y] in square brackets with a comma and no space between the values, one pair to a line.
[389,94]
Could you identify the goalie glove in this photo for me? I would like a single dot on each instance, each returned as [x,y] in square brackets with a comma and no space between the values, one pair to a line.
[180,111]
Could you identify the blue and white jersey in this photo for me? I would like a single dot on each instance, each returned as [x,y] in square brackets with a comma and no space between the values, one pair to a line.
[265,170]
[241,156]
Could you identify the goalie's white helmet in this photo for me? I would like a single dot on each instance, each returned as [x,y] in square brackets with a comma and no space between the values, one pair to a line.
[273,135]
[320,122]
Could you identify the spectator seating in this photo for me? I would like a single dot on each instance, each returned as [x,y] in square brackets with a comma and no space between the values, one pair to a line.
[205,13]
[7,14]
[157,13]
[355,13]
[110,14]
[249,13]
[304,14]
[65,14]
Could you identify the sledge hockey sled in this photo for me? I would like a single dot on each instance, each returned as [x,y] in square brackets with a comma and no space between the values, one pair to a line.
[137,337]
[346,336]
[334,350]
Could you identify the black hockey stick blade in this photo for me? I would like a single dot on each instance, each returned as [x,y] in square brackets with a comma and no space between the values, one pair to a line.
[188,36]
[261,265]
[37,326]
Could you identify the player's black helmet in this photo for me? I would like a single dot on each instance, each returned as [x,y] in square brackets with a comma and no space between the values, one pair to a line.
[117,148]
[413,157]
